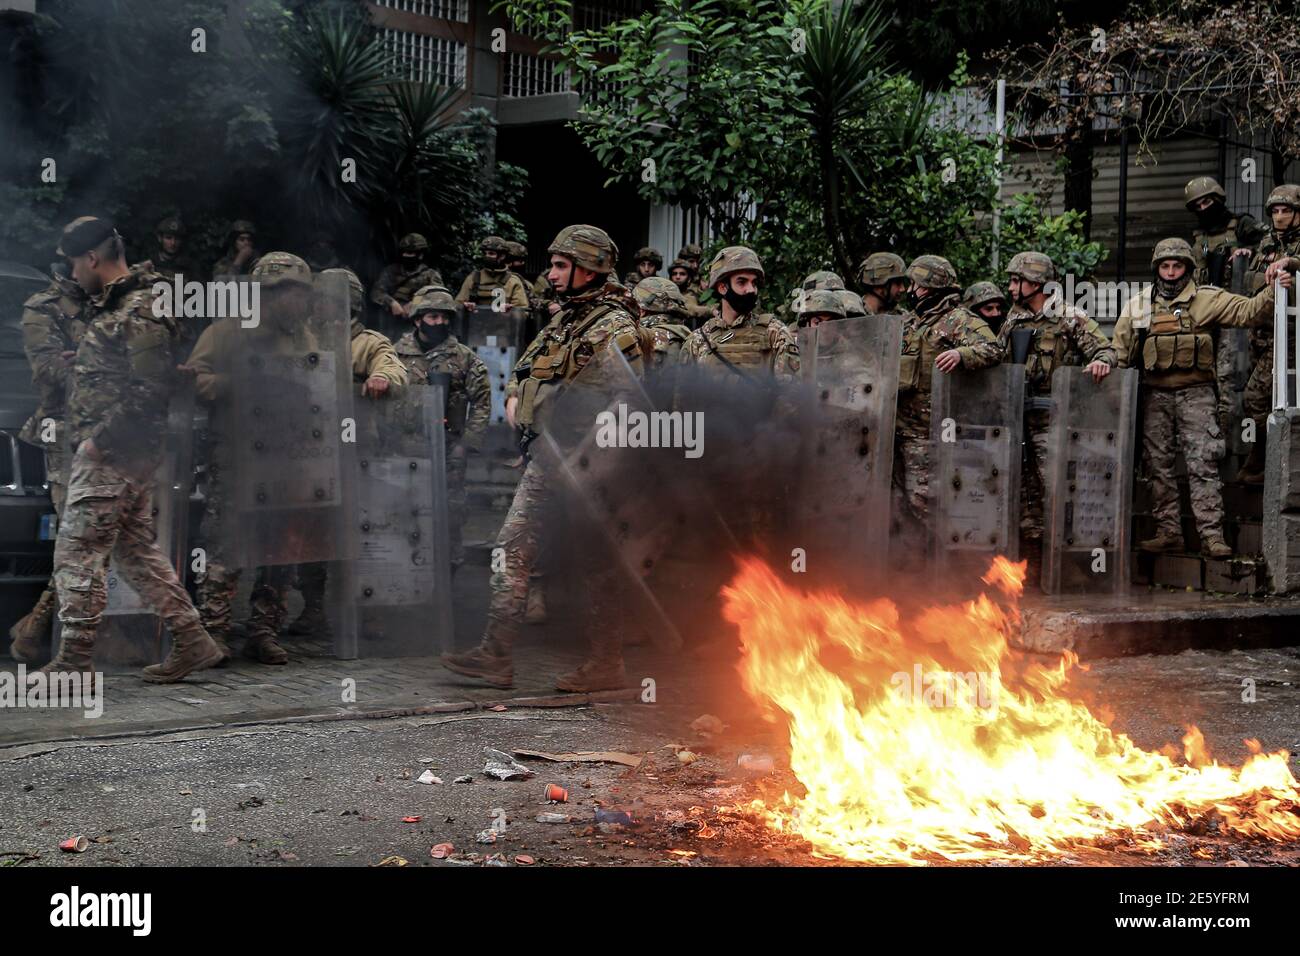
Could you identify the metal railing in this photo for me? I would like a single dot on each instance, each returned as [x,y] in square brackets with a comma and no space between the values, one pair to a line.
[423,58]
[457,10]
[529,75]
[1283,375]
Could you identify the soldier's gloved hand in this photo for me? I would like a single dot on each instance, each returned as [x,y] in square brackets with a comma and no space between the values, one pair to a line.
[470,306]
[376,387]
[947,361]
[187,371]
[1099,370]
[1241,251]
[512,404]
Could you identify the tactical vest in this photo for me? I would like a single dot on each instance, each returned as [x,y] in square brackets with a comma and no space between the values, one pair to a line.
[913,374]
[480,295]
[1047,351]
[1173,344]
[747,345]
[1204,245]
[558,361]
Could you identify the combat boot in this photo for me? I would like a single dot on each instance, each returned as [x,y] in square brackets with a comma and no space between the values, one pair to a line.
[312,621]
[496,669]
[1163,541]
[535,610]
[223,646]
[193,650]
[29,635]
[1252,469]
[595,674]
[1213,546]
[75,656]
[261,646]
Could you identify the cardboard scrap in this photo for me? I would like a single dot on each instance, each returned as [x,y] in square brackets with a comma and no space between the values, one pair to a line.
[583,756]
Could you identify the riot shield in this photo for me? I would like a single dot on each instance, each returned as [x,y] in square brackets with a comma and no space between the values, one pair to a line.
[131,632]
[500,361]
[976,423]
[1088,481]
[485,326]
[284,439]
[850,368]
[402,581]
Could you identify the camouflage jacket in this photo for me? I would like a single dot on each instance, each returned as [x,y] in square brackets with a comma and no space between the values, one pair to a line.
[372,354]
[54,322]
[667,337]
[1270,249]
[395,284]
[756,340]
[943,325]
[170,267]
[587,324]
[1172,340]
[125,372]
[1071,339]
[698,313]
[1241,231]
[480,285]
[469,396]
[226,265]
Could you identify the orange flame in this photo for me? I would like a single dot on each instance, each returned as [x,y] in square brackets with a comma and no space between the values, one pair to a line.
[928,738]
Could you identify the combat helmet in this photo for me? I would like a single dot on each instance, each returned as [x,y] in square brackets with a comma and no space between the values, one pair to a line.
[1172,248]
[587,246]
[241,226]
[431,298]
[278,268]
[881,268]
[494,244]
[684,265]
[933,272]
[820,301]
[852,302]
[646,254]
[1033,266]
[1288,194]
[172,225]
[356,291]
[516,250]
[734,259]
[982,293]
[823,279]
[692,250]
[659,296]
[1200,187]
[413,242]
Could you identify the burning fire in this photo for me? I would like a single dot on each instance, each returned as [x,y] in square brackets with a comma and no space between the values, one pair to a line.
[929,738]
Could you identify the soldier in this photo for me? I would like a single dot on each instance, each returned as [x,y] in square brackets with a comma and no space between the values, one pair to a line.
[853,305]
[823,279]
[821,305]
[430,348]
[594,317]
[321,254]
[940,334]
[693,253]
[124,376]
[1221,237]
[399,281]
[170,259]
[286,290]
[1170,337]
[241,250]
[480,286]
[1282,241]
[376,368]
[883,277]
[1061,335]
[739,339]
[54,321]
[663,313]
[646,263]
[988,301]
[682,273]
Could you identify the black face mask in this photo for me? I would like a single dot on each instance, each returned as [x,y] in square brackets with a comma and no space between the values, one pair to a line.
[431,336]
[1214,217]
[743,304]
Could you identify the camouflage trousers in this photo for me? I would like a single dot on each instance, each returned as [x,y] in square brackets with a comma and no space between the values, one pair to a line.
[109,514]
[514,561]
[219,582]
[1184,419]
[911,479]
[1258,396]
[456,506]
[1033,481]
[56,475]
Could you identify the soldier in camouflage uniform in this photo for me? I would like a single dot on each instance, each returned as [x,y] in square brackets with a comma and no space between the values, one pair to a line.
[54,321]
[399,281]
[939,334]
[1221,238]
[646,263]
[1061,335]
[241,250]
[481,286]
[693,253]
[285,282]
[377,368]
[824,280]
[883,277]
[821,305]
[430,348]
[682,273]
[663,314]
[170,259]
[1169,335]
[741,342]
[987,301]
[1282,241]
[123,379]
[854,308]
[595,316]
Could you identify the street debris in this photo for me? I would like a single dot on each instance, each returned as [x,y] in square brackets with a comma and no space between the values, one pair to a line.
[554,818]
[426,760]
[496,859]
[583,756]
[428,778]
[755,763]
[621,817]
[503,767]
[393,861]
[498,708]
[707,724]
[487,836]
[523,859]
[687,757]
[464,778]
[556,794]
[415,819]
[441,851]
[76,844]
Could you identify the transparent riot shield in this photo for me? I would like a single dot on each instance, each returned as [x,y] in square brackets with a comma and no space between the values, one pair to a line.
[486,326]
[976,421]
[131,632]
[402,581]
[609,454]
[284,441]
[1088,477]
[500,361]
[850,368]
